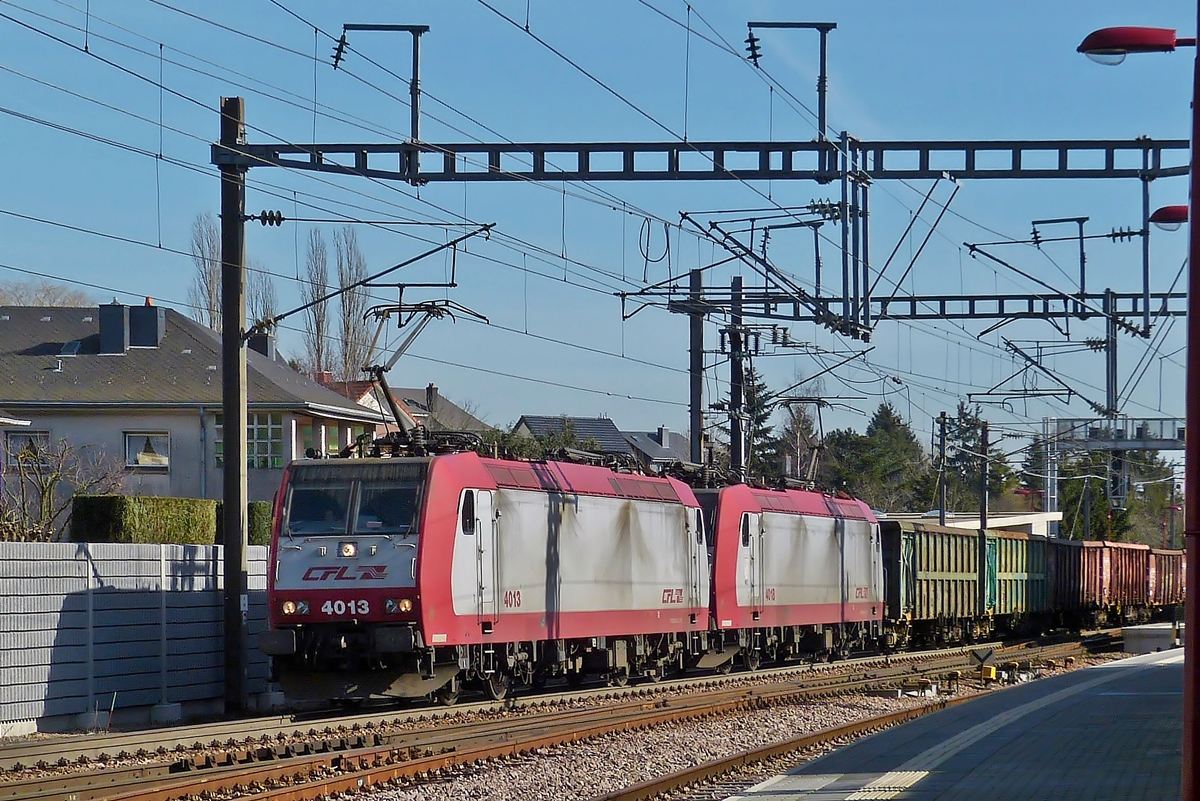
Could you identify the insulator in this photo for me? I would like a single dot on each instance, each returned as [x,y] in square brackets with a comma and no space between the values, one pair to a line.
[272,218]
[752,48]
[339,51]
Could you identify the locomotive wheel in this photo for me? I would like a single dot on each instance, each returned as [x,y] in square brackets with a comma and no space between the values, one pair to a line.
[725,667]
[538,681]
[753,660]
[496,686]
[618,678]
[654,676]
[447,695]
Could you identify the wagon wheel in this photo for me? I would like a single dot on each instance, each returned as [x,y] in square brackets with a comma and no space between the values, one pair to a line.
[725,667]
[654,676]
[496,686]
[538,680]
[447,694]
[618,678]
[753,660]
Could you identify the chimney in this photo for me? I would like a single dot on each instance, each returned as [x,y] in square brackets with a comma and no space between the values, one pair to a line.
[264,344]
[323,377]
[664,436]
[114,328]
[431,403]
[147,325]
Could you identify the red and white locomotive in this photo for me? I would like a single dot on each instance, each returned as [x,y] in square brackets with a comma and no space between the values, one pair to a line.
[405,576]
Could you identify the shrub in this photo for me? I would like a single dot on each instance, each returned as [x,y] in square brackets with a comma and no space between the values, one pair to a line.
[138,519]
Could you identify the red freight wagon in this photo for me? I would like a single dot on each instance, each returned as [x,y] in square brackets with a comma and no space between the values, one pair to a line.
[1166,577]
[1094,580]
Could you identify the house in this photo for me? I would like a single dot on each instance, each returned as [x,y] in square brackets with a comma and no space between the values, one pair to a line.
[657,449]
[139,388]
[601,429]
[414,405]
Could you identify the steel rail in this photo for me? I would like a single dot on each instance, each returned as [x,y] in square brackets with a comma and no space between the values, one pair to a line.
[409,757]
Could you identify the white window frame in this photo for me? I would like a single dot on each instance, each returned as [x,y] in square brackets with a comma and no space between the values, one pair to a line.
[131,457]
[23,437]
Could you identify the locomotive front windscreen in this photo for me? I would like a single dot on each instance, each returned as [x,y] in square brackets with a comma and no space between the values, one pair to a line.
[387,508]
[318,510]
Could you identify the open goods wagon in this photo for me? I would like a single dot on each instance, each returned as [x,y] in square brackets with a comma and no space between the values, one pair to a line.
[1098,582]
[1166,577]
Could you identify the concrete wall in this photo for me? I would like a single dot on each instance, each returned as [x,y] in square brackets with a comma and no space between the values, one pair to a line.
[136,628]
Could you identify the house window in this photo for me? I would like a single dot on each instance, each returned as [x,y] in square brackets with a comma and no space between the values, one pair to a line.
[264,441]
[147,449]
[332,444]
[30,443]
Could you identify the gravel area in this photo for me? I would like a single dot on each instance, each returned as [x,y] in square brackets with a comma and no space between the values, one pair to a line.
[583,770]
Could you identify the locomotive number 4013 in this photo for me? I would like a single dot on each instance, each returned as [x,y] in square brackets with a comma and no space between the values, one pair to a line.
[512,599]
[346,607]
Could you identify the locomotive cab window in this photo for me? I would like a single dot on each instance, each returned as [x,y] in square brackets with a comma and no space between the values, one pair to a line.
[745,531]
[468,512]
[317,510]
[387,509]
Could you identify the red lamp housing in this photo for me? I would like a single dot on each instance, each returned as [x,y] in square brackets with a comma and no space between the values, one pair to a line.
[1170,218]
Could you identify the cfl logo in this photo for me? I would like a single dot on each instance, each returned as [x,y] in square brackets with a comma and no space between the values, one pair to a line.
[346,573]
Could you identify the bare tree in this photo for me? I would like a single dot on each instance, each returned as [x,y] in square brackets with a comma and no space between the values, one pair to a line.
[39,483]
[313,286]
[352,268]
[204,295]
[42,293]
[261,302]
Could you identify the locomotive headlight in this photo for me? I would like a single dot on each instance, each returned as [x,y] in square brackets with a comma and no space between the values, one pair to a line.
[289,607]
[348,549]
[392,606]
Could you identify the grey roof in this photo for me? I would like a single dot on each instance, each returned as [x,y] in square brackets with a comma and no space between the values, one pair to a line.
[447,414]
[601,429]
[677,448]
[185,370]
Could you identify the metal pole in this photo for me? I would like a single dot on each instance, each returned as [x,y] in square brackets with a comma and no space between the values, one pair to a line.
[983,476]
[696,368]
[866,245]
[1191,509]
[1087,508]
[844,220]
[1171,509]
[822,93]
[942,469]
[737,437]
[1146,247]
[414,91]
[983,518]
[233,403]
[855,231]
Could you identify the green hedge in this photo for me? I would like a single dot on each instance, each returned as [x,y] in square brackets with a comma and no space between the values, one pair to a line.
[258,521]
[138,519]
[178,521]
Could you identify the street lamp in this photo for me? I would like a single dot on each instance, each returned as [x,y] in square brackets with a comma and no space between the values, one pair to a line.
[1170,218]
[1110,46]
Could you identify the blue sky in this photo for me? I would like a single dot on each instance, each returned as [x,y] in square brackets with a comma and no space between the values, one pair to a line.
[925,70]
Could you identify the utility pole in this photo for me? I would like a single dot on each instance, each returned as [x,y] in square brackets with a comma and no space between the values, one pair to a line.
[942,469]
[1087,508]
[696,367]
[233,402]
[1171,509]
[983,516]
[737,435]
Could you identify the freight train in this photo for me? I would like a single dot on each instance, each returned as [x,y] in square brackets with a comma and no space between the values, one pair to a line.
[402,577]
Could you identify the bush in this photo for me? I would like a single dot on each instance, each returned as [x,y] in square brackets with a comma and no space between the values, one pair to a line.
[258,523]
[138,519]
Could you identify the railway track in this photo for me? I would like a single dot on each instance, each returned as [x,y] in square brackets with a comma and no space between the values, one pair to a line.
[85,748]
[345,759]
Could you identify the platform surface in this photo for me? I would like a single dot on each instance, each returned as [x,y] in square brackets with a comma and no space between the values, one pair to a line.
[1107,732]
